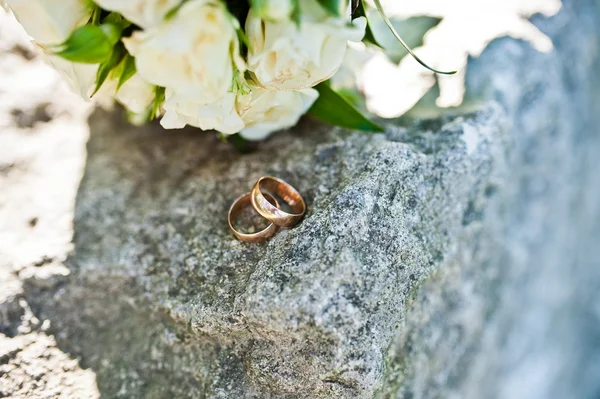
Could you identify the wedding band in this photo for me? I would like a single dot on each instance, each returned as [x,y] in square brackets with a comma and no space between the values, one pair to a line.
[236,209]
[286,192]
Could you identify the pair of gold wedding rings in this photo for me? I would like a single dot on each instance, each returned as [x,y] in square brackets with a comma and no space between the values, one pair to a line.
[268,207]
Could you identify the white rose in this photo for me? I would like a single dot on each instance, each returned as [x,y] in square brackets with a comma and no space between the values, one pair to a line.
[254,115]
[273,10]
[81,78]
[144,13]
[50,21]
[190,53]
[136,94]
[287,57]
[266,111]
[350,73]
[220,115]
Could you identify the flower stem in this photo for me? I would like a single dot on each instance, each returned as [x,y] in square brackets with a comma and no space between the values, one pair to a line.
[389,25]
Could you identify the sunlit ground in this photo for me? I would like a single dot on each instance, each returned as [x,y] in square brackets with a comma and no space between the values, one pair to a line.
[466,28]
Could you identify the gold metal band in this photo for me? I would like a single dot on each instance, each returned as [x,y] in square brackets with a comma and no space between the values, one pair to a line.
[286,192]
[236,209]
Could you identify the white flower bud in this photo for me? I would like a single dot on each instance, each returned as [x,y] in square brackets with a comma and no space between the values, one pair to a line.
[136,94]
[220,115]
[273,10]
[190,53]
[284,56]
[266,111]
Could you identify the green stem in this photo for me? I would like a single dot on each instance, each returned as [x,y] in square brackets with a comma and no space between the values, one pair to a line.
[96,15]
[389,25]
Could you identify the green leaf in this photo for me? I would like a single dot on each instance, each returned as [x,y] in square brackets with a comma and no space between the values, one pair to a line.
[117,19]
[238,142]
[361,11]
[334,109]
[107,66]
[243,38]
[296,13]
[90,44]
[334,7]
[353,97]
[128,70]
[112,32]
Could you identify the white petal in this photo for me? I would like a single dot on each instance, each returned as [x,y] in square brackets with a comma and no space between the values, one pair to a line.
[267,111]
[171,120]
[136,94]
[50,21]
[285,57]
[174,55]
[144,13]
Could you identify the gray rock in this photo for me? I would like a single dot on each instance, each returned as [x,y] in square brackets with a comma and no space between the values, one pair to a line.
[160,289]
[449,257]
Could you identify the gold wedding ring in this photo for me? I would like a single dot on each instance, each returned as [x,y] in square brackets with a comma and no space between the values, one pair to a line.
[286,192]
[236,209]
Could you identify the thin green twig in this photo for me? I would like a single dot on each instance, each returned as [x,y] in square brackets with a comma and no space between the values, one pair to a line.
[389,24]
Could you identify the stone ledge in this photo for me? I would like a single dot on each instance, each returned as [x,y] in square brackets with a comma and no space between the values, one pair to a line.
[310,311]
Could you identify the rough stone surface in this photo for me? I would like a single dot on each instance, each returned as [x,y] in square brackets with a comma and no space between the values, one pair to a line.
[305,315]
[453,257]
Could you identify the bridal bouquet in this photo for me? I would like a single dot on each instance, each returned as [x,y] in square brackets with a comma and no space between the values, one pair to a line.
[237,66]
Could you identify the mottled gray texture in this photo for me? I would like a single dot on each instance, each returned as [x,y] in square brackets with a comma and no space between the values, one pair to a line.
[450,257]
[162,293]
